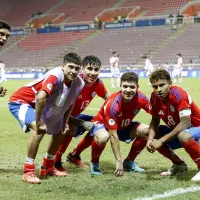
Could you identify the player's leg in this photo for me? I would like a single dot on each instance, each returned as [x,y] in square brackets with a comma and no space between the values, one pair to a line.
[25,115]
[63,146]
[167,151]
[112,77]
[189,139]
[139,133]
[118,77]
[74,156]
[47,168]
[101,137]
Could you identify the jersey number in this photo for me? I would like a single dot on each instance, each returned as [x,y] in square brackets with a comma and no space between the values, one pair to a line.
[171,121]
[125,122]
[85,104]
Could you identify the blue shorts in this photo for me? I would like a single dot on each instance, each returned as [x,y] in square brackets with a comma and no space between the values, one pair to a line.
[123,134]
[24,113]
[81,130]
[175,143]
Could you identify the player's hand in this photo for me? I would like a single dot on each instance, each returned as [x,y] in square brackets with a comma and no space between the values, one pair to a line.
[87,125]
[66,129]
[2,91]
[148,146]
[41,128]
[119,168]
[156,144]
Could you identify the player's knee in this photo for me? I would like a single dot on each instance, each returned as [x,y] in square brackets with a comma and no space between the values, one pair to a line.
[184,137]
[145,133]
[36,137]
[102,138]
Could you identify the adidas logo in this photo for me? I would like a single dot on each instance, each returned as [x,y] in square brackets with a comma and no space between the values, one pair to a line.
[161,112]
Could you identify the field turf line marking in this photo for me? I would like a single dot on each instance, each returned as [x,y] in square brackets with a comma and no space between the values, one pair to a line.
[170,193]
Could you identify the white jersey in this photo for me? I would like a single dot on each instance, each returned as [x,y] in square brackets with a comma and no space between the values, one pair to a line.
[148,67]
[2,68]
[114,66]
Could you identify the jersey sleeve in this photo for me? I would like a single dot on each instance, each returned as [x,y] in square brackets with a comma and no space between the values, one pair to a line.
[100,89]
[49,84]
[183,102]
[146,104]
[152,105]
[110,114]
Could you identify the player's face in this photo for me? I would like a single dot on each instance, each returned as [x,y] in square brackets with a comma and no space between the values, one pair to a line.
[71,71]
[128,91]
[4,35]
[162,88]
[90,74]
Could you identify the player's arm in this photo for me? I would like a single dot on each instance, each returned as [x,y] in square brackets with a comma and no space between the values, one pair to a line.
[155,121]
[66,119]
[114,140]
[87,125]
[41,99]
[185,122]
[106,96]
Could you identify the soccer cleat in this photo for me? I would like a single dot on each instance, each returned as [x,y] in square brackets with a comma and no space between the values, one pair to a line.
[196,178]
[131,166]
[175,169]
[76,160]
[30,177]
[95,169]
[59,167]
[51,171]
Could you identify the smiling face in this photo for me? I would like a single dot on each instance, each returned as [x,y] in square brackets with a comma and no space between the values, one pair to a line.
[162,88]
[71,71]
[90,74]
[4,35]
[128,90]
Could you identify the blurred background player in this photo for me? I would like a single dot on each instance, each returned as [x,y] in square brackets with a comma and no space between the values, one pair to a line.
[91,67]
[2,68]
[4,35]
[44,106]
[177,72]
[114,122]
[114,68]
[181,115]
[148,67]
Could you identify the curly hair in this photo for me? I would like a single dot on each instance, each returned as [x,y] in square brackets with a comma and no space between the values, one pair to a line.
[91,60]
[159,74]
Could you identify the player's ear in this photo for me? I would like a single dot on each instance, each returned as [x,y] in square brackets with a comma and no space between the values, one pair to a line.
[137,87]
[170,82]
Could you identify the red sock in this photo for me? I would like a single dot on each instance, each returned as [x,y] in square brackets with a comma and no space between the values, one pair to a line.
[169,153]
[137,146]
[96,151]
[63,147]
[48,163]
[29,167]
[83,144]
[193,149]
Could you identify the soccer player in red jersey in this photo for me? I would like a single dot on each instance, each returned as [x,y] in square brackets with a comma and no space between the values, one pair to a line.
[44,106]
[4,35]
[181,115]
[93,86]
[114,122]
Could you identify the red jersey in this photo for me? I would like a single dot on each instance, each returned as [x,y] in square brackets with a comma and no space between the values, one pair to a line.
[86,96]
[116,115]
[178,104]
[27,94]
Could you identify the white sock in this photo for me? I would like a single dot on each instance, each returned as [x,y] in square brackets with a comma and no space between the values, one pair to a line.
[49,156]
[29,160]
[112,82]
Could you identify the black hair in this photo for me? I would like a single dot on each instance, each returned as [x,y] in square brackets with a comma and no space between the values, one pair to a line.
[160,74]
[5,25]
[91,60]
[72,58]
[129,77]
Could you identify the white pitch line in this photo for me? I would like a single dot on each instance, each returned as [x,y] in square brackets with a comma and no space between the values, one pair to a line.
[170,193]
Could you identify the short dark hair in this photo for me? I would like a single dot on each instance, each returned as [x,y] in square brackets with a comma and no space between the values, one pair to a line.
[72,58]
[5,25]
[179,54]
[160,74]
[129,77]
[91,60]
[114,52]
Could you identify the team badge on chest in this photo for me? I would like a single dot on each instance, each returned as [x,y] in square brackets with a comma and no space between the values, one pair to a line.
[172,108]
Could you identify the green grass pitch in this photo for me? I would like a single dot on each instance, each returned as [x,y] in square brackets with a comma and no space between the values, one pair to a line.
[79,185]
